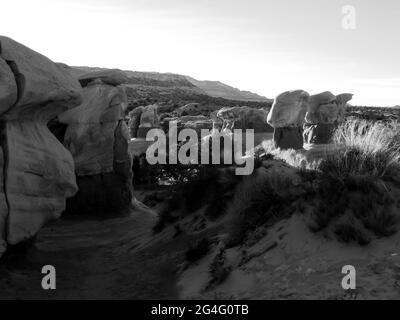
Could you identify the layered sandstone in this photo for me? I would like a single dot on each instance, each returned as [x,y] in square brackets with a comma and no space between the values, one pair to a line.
[37,172]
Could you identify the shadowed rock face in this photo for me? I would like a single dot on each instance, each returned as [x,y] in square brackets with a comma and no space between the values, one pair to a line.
[97,138]
[134,121]
[37,172]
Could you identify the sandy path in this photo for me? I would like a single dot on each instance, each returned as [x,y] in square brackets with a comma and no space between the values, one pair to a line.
[95,259]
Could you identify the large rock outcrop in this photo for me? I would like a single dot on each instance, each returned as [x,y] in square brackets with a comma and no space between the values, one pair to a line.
[287,118]
[325,111]
[98,139]
[36,171]
[243,118]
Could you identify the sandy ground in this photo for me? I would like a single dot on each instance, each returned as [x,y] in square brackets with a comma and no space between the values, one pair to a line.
[290,262]
[95,259]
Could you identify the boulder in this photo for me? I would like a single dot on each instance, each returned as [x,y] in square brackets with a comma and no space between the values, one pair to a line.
[288,109]
[324,112]
[98,138]
[37,171]
[148,120]
[321,108]
[287,117]
[244,118]
[190,109]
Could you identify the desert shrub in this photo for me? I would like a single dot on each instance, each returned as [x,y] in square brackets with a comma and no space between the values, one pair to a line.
[207,186]
[218,269]
[362,197]
[256,203]
[198,250]
[365,148]
[348,232]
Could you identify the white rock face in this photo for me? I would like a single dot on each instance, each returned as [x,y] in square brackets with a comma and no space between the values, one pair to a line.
[98,140]
[39,170]
[289,109]
[90,133]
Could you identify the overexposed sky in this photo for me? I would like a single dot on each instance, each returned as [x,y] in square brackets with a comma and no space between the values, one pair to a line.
[264,46]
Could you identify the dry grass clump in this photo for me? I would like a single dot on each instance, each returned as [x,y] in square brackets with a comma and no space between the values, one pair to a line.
[367,148]
[259,200]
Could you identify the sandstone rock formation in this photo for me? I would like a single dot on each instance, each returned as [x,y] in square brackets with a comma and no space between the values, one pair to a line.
[243,118]
[325,111]
[148,120]
[287,117]
[190,109]
[37,172]
[98,139]
[134,121]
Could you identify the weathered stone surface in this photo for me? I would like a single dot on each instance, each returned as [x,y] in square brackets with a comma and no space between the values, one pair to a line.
[90,132]
[321,108]
[3,205]
[244,118]
[324,112]
[45,89]
[288,109]
[111,77]
[98,139]
[8,87]
[149,118]
[39,172]
[107,193]
[134,121]
[40,176]
[190,109]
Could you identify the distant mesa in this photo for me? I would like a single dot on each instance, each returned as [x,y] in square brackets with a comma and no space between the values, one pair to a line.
[215,89]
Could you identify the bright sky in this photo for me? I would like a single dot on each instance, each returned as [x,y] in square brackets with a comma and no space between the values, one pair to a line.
[264,46]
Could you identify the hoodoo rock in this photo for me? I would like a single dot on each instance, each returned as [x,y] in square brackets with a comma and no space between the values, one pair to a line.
[36,171]
[148,120]
[324,112]
[287,118]
[98,138]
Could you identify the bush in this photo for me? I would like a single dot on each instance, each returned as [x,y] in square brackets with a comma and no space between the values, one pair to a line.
[365,148]
[348,232]
[219,271]
[256,203]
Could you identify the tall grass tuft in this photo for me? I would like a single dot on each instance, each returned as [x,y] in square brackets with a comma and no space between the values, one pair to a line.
[365,148]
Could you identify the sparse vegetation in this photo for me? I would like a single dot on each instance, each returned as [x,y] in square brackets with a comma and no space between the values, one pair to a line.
[257,202]
[219,271]
[198,250]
